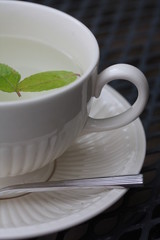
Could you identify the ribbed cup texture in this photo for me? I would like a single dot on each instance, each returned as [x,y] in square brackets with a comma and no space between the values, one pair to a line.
[21,158]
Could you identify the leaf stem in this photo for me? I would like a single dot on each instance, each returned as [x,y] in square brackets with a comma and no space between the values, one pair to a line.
[77,74]
[19,94]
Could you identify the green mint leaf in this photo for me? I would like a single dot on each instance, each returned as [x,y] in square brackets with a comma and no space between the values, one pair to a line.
[46,81]
[9,79]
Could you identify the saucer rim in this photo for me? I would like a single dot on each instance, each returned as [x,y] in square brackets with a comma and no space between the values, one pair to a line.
[107,201]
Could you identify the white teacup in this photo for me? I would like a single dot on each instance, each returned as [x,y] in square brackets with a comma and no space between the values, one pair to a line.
[38,128]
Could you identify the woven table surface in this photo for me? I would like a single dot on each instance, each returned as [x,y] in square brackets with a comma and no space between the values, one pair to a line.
[128,32]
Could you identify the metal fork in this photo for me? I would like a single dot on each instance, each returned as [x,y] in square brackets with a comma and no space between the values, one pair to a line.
[124,181]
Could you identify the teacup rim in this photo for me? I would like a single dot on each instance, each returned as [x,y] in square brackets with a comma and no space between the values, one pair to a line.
[70,86]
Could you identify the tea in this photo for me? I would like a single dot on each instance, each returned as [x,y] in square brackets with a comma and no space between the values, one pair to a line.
[28,57]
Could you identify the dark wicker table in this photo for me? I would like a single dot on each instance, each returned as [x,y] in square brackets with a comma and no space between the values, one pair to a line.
[127,31]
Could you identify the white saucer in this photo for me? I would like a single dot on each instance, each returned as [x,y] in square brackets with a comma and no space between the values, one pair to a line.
[115,152]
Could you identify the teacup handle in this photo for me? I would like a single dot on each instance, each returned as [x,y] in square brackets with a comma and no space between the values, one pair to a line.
[125,72]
